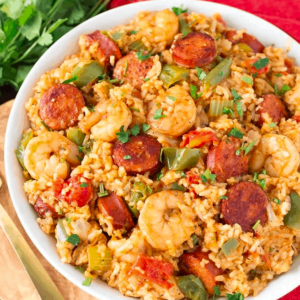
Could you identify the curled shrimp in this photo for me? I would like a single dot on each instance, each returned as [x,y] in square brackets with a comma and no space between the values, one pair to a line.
[50,154]
[292,97]
[165,220]
[107,119]
[172,113]
[159,26]
[277,154]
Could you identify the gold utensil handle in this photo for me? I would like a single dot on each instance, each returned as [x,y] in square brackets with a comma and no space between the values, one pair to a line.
[38,275]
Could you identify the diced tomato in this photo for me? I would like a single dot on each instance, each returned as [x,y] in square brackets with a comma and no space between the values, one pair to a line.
[296,118]
[115,207]
[219,19]
[249,64]
[42,208]
[192,178]
[77,189]
[266,258]
[58,185]
[289,65]
[250,40]
[197,139]
[156,271]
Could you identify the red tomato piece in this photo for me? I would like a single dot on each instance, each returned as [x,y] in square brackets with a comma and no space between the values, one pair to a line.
[296,118]
[249,64]
[156,271]
[197,139]
[42,208]
[266,258]
[192,178]
[77,191]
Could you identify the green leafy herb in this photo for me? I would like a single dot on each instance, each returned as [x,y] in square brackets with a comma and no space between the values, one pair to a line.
[277,201]
[145,127]
[254,75]
[146,79]
[237,296]
[194,239]
[224,197]
[262,183]
[273,124]
[247,79]
[84,185]
[235,95]
[132,32]
[239,107]
[91,108]
[179,10]
[123,136]
[127,157]
[184,27]
[135,130]
[143,57]
[228,111]
[217,291]
[80,269]
[102,191]
[207,175]
[276,89]
[236,133]
[117,36]
[70,80]
[261,63]
[193,91]
[201,74]
[45,125]
[158,114]
[255,176]
[278,75]
[256,225]
[87,281]
[284,89]
[160,175]
[73,239]
[172,98]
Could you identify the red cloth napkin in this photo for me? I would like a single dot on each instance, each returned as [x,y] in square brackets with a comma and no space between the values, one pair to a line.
[283,14]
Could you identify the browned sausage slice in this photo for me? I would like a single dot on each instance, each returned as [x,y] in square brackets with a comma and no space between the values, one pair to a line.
[223,161]
[60,106]
[42,208]
[195,50]
[139,155]
[190,264]
[132,70]
[101,47]
[246,204]
[115,207]
[274,107]
[248,39]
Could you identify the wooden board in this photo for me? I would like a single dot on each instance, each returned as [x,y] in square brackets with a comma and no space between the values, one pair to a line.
[14,281]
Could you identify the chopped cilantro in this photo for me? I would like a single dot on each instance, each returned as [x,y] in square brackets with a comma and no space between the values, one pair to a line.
[236,133]
[132,32]
[217,290]
[160,175]
[135,130]
[247,80]
[273,124]
[277,201]
[254,75]
[237,296]
[239,107]
[158,114]
[127,157]
[256,225]
[224,197]
[123,136]
[179,10]
[207,175]
[182,174]
[143,57]
[284,89]
[146,79]
[172,98]
[73,239]
[91,108]
[84,185]
[87,281]
[45,125]
[255,176]
[278,75]
[262,183]
[228,111]
[235,95]
[276,89]
[102,191]
[201,74]
[80,269]
[145,127]
[261,63]
[193,91]
[70,80]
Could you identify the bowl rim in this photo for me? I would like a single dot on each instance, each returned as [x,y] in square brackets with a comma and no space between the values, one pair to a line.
[9,158]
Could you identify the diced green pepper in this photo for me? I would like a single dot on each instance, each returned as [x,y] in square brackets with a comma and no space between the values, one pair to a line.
[139,193]
[218,74]
[292,218]
[192,287]
[180,159]
[99,261]
[171,74]
[184,27]
[230,246]
[26,137]
[86,72]
[216,107]
[137,45]
[177,187]
[244,47]
[76,136]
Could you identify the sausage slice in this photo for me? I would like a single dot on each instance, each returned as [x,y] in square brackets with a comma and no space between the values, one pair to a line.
[139,155]
[101,47]
[223,161]
[274,107]
[60,106]
[114,206]
[42,208]
[248,39]
[195,50]
[190,264]
[132,70]
[246,204]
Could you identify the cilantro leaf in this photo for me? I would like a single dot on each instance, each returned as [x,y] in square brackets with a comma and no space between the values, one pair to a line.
[224,197]
[261,63]
[237,296]
[123,136]
[217,291]
[143,57]
[179,10]
[145,127]
[84,185]
[46,39]
[73,239]
[201,74]
[32,27]
[284,89]
[207,175]
[193,91]
[87,281]
[228,111]
[172,98]
[236,133]
[158,114]
[26,14]
[278,75]
[13,8]
[135,130]
[235,95]
[127,157]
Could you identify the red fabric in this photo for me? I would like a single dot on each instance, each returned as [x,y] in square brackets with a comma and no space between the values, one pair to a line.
[283,14]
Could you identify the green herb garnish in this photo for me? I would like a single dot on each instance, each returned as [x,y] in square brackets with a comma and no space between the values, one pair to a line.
[80,269]
[277,201]
[102,191]
[261,63]
[160,175]
[224,197]
[84,185]
[126,68]
[278,75]
[135,130]
[134,109]
[179,10]
[193,91]
[146,79]
[273,124]
[217,291]
[237,296]
[123,136]
[276,89]
[201,74]
[207,175]
[73,239]
[262,183]
[236,133]
[127,157]
[70,80]
[235,95]
[87,281]
[132,32]
[172,98]
[143,57]
[158,114]
[228,111]
[194,239]
[91,108]
[284,89]
[145,127]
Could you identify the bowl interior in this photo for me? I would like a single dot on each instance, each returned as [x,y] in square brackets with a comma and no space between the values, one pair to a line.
[68,44]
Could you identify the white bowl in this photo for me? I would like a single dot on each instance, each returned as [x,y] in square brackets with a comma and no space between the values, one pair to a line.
[68,44]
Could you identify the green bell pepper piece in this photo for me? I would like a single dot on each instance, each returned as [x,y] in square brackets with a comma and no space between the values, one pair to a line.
[171,74]
[292,218]
[137,45]
[192,287]
[76,136]
[26,137]
[218,74]
[230,246]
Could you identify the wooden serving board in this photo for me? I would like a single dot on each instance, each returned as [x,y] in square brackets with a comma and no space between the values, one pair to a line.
[14,281]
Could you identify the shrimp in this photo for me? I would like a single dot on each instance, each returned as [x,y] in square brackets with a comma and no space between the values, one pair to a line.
[277,154]
[292,97]
[172,113]
[107,119]
[165,220]
[50,154]
[159,26]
